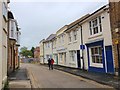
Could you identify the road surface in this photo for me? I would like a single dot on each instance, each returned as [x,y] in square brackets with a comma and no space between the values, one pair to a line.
[42,77]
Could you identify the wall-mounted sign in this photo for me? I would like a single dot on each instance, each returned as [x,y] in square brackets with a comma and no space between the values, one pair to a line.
[82,47]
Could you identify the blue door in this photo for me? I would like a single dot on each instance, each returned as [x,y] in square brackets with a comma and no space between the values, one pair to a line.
[109,59]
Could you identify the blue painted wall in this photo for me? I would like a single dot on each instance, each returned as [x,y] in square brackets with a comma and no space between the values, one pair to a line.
[96,69]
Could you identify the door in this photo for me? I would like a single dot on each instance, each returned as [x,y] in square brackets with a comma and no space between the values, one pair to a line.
[64,58]
[109,59]
[56,59]
[78,58]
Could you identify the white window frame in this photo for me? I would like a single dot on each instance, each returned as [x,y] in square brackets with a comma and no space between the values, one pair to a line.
[62,38]
[95,64]
[72,55]
[75,35]
[60,56]
[69,37]
[97,25]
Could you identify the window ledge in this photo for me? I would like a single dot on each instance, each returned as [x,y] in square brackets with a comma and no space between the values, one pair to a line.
[95,35]
[75,41]
[98,65]
[69,43]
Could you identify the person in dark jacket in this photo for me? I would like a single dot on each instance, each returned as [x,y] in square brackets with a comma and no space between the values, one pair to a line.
[49,63]
[52,62]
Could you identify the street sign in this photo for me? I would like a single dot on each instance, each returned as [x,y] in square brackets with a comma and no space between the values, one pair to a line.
[82,47]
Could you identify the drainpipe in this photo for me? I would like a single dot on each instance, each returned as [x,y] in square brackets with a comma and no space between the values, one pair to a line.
[82,48]
[52,48]
[43,54]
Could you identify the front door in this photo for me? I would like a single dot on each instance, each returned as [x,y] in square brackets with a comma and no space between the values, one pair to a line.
[78,58]
[56,59]
[109,59]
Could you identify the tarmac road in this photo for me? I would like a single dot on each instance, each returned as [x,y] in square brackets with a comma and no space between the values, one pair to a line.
[42,77]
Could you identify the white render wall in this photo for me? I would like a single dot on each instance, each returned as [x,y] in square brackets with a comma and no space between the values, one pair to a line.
[54,51]
[105,35]
[3,49]
[71,46]
[47,51]
[0,46]
[61,45]
[41,53]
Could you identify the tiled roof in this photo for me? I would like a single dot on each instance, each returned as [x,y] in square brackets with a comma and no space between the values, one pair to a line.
[50,37]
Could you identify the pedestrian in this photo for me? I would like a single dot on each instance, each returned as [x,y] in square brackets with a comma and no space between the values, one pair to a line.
[52,62]
[49,63]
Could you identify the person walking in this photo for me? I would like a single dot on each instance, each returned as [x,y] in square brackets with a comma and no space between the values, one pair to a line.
[49,63]
[52,62]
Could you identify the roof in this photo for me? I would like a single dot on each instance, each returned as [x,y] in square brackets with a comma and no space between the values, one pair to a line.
[77,22]
[52,36]
[42,40]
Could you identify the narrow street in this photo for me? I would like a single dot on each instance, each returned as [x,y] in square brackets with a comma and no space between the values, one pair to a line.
[42,77]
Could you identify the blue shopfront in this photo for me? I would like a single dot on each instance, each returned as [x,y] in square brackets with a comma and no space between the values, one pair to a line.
[100,58]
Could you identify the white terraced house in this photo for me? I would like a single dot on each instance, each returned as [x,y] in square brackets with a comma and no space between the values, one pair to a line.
[73,44]
[61,46]
[48,48]
[42,51]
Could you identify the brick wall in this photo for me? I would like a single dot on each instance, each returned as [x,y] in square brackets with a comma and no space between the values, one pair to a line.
[115,24]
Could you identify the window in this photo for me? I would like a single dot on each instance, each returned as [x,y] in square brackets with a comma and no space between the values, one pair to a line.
[95,26]
[54,43]
[100,24]
[60,56]
[59,40]
[96,54]
[12,29]
[4,10]
[69,37]
[65,57]
[75,35]
[12,33]
[48,44]
[72,55]
[62,38]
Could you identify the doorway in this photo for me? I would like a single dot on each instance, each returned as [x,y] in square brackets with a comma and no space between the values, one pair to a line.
[78,59]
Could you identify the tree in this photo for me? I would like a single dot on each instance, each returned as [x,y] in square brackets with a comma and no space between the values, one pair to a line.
[32,50]
[25,52]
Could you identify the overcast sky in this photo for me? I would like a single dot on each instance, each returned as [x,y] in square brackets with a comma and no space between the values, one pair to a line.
[40,18]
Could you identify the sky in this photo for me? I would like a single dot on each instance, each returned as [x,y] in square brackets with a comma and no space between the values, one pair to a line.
[40,18]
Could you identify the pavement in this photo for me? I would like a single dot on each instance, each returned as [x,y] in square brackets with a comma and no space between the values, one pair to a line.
[19,79]
[102,78]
